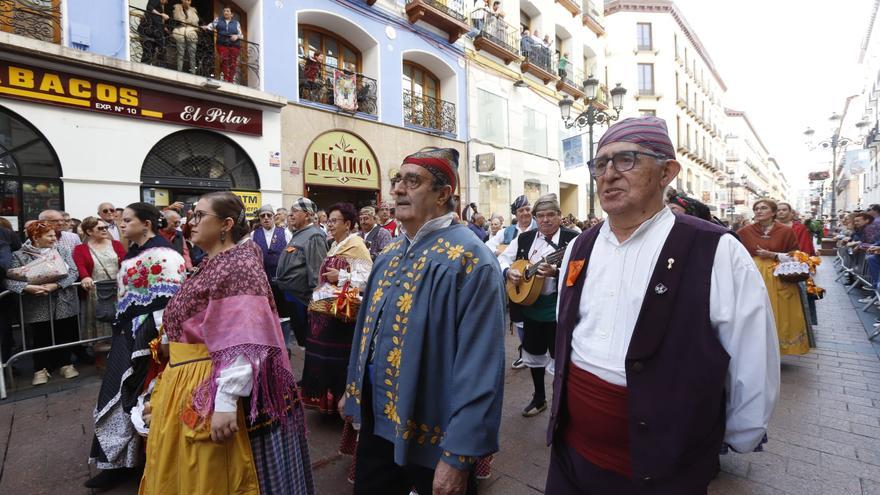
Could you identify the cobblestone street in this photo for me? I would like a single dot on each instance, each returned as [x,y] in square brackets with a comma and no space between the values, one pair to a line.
[824,437]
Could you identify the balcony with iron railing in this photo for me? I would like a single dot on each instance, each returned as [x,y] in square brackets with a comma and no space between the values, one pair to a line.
[329,85]
[494,36]
[447,15]
[190,48]
[538,60]
[571,79]
[593,17]
[40,20]
[429,113]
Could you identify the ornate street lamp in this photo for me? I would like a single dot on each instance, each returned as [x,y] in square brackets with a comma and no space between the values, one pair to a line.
[834,142]
[590,116]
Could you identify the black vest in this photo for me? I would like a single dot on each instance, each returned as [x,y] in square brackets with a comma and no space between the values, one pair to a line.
[523,246]
[676,368]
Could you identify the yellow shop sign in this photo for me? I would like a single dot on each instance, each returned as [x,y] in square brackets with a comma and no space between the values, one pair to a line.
[341,159]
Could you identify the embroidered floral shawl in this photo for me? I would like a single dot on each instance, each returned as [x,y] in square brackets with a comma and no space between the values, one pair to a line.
[227,305]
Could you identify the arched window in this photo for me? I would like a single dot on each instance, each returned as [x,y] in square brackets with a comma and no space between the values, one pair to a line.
[421,96]
[29,171]
[337,52]
[201,160]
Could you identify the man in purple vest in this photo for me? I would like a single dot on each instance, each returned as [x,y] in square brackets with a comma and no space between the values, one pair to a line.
[272,241]
[668,352]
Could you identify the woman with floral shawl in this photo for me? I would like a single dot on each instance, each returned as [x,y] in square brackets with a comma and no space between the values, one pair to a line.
[225,416]
[150,274]
[328,345]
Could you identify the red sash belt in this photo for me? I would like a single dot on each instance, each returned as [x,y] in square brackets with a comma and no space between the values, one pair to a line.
[597,420]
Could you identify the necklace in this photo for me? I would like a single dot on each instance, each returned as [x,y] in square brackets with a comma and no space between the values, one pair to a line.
[765,231]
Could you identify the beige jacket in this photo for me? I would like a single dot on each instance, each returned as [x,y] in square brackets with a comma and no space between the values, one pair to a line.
[187,23]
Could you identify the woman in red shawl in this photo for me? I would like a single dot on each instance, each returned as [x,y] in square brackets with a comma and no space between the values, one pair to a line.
[226,412]
[768,241]
[785,216]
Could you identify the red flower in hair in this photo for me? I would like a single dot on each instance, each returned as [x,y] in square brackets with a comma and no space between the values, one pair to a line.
[156,269]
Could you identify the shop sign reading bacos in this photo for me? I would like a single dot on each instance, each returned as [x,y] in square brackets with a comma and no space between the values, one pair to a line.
[39,85]
[341,159]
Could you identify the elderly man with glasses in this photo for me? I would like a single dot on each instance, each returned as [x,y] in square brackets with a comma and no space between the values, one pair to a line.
[666,345]
[426,373]
[108,214]
[59,225]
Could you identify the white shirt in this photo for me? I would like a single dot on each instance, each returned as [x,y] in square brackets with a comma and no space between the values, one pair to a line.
[269,233]
[113,230]
[540,248]
[617,278]
[498,238]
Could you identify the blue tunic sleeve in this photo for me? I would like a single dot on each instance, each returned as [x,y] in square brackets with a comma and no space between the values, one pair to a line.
[478,372]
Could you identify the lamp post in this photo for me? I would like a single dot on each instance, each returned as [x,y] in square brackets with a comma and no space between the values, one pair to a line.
[834,142]
[589,117]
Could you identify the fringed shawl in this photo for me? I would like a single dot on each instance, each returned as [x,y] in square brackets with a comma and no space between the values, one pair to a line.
[227,305]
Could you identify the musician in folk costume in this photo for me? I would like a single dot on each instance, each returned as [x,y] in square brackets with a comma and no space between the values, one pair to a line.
[666,349]
[539,318]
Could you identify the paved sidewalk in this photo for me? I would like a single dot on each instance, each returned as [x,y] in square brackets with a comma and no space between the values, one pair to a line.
[824,438]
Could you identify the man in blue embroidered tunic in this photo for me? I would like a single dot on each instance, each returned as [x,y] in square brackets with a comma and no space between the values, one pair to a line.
[426,374]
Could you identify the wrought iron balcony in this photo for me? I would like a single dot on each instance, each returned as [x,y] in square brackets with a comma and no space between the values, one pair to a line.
[191,48]
[330,85]
[494,36]
[446,15]
[538,61]
[40,20]
[593,18]
[430,113]
[571,80]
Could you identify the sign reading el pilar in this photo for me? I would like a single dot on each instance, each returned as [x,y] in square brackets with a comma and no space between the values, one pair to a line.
[34,84]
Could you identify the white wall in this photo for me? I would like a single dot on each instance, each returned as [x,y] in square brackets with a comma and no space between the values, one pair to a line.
[101,155]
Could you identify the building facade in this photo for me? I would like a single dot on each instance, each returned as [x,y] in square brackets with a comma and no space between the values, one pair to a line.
[107,101]
[523,58]
[659,55]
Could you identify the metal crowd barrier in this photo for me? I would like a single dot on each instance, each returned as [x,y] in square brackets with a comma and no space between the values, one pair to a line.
[7,365]
[855,264]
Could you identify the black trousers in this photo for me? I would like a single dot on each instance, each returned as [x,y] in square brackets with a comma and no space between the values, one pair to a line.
[571,474]
[539,337]
[376,472]
[65,331]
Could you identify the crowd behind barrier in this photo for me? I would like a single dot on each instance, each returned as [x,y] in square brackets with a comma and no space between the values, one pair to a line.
[854,271]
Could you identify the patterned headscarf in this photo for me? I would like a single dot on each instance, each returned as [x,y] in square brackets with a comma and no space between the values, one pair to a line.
[442,161]
[648,132]
[386,205]
[305,205]
[518,203]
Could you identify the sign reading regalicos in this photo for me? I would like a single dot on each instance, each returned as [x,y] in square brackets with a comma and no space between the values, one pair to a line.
[34,84]
[339,158]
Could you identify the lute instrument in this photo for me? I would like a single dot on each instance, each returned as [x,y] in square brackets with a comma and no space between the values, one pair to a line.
[529,288]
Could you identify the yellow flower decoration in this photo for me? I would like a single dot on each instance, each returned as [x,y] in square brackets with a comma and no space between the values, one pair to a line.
[394,357]
[404,302]
[377,295]
[455,252]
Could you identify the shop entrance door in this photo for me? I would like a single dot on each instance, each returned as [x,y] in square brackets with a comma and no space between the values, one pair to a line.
[326,196]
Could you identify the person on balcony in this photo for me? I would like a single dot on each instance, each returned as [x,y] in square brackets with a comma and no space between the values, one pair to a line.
[313,72]
[154,31]
[229,38]
[186,33]
[563,65]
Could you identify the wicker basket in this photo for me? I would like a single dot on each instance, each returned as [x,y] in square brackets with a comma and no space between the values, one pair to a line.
[327,307]
[793,272]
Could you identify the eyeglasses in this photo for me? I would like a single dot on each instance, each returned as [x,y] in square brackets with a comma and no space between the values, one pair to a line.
[102,228]
[199,215]
[622,161]
[262,215]
[547,215]
[411,181]
[335,220]
[107,210]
